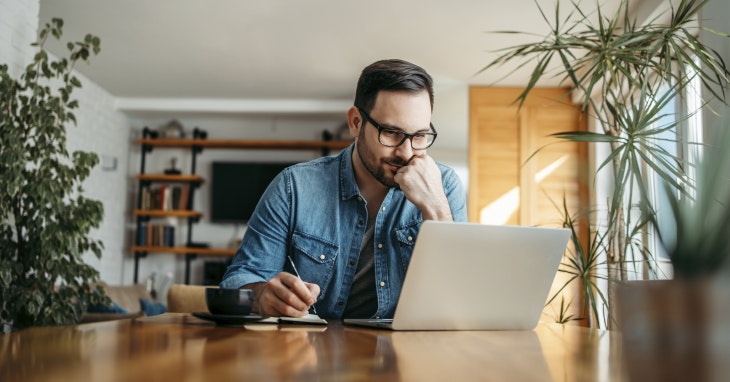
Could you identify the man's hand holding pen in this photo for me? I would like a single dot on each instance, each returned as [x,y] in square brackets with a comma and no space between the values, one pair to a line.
[285,295]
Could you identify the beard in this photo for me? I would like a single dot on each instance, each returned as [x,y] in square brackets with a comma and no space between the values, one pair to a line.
[378,168]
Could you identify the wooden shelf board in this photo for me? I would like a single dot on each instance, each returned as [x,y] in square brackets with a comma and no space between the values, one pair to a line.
[170,178]
[170,213]
[245,144]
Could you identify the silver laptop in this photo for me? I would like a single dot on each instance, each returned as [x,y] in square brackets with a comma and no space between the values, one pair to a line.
[468,276]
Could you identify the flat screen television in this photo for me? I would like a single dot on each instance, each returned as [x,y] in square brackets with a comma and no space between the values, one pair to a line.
[236,187]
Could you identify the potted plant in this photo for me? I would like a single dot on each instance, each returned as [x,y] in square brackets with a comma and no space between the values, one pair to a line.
[626,75]
[44,217]
[681,326]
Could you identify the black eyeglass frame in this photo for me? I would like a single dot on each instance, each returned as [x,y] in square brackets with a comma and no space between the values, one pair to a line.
[407,136]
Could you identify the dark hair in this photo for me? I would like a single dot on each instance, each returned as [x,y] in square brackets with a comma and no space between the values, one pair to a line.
[391,75]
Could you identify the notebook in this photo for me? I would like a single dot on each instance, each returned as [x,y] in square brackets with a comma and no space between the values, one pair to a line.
[469,276]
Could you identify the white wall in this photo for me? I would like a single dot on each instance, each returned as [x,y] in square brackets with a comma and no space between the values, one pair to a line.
[716,16]
[100,129]
[18,28]
[104,130]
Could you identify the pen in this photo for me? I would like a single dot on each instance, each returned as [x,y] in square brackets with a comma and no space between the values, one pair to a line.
[297,274]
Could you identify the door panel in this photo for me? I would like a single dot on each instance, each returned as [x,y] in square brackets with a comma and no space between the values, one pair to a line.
[517,171]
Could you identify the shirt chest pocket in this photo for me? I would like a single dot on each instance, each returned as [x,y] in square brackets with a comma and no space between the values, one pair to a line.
[406,238]
[314,258]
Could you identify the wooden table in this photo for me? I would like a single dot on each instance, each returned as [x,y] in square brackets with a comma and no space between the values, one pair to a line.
[179,347]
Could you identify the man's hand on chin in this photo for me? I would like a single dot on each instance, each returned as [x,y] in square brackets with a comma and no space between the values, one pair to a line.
[421,184]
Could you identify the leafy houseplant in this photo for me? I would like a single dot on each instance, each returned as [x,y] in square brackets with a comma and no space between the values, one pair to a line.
[679,329]
[683,324]
[698,243]
[626,75]
[44,218]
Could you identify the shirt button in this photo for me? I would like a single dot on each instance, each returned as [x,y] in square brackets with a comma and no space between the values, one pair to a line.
[352,263]
[382,283]
[410,238]
[360,222]
[382,209]
[340,303]
[380,245]
[321,257]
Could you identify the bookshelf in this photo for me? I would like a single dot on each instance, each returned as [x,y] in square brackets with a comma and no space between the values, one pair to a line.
[154,202]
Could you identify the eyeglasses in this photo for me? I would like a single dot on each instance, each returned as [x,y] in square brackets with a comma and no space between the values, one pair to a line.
[394,138]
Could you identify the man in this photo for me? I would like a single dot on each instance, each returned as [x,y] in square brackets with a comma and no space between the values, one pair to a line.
[347,223]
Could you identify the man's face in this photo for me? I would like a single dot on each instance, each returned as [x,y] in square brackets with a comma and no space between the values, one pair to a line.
[398,110]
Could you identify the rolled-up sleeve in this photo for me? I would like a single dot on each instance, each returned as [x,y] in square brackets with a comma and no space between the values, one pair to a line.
[262,252]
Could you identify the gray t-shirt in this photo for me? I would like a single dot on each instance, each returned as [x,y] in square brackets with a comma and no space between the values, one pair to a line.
[363,299]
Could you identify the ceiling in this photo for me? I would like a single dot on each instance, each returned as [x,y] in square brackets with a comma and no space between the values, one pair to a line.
[283,49]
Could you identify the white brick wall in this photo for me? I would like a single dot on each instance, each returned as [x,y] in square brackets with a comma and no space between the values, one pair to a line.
[100,129]
[105,131]
[18,28]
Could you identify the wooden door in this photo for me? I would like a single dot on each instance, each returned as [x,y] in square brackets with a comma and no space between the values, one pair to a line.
[517,172]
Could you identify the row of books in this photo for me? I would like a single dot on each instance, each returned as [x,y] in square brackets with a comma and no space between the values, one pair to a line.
[156,235]
[166,197]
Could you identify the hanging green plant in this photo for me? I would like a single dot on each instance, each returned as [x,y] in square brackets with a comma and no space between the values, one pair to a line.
[44,218]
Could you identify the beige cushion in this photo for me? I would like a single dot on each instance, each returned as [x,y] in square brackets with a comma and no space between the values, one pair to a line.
[127,296]
[183,298]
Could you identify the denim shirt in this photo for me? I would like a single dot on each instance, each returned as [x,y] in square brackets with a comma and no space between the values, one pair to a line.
[314,212]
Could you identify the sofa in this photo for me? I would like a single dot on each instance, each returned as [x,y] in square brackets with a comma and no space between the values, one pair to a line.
[131,301]
[128,303]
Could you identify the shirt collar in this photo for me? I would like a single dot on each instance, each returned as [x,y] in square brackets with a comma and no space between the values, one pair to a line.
[348,185]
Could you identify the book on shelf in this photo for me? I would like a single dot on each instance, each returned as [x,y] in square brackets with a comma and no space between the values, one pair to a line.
[145,199]
[183,202]
[142,234]
[166,201]
[165,197]
[156,235]
[176,193]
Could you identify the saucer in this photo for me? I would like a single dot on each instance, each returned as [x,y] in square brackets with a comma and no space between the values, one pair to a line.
[229,319]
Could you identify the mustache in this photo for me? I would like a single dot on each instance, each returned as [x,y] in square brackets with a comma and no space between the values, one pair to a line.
[396,161]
